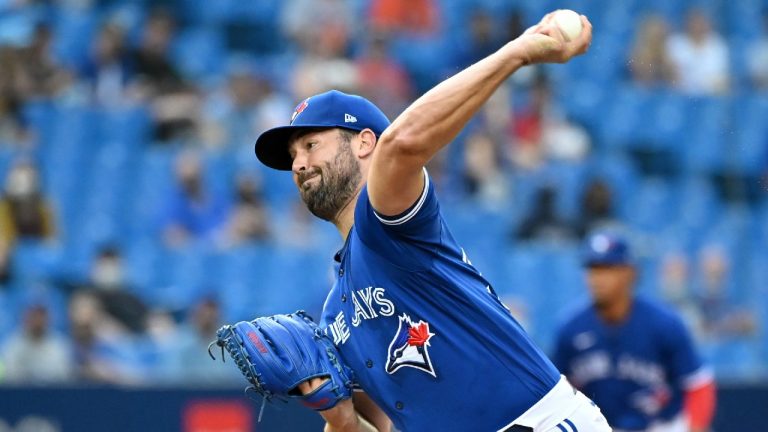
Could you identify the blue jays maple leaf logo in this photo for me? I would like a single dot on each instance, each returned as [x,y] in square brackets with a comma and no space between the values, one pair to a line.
[410,347]
[299,108]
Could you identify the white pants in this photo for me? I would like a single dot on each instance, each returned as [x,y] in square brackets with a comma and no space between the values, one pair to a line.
[563,409]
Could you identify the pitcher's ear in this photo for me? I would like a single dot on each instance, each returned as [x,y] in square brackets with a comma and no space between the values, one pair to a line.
[367,142]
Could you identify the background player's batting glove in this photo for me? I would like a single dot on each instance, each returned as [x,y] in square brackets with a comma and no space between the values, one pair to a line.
[277,353]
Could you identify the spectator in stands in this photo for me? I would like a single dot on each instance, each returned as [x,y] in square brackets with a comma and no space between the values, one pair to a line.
[193,212]
[419,17]
[245,106]
[482,172]
[700,57]
[300,18]
[325,63]
[248,221]
[597,212]
[36,354]
[41,76]
[543,222]
[25,213]
[107,69]
[151,60]
[13,131]
[187,363]
[24,210]
[675,285]
[540,131]
[230,113]
[381,78]
[97,344]
[527,126]
[721,317]
[174,103]
[108,285]
[650,62]
[757,58]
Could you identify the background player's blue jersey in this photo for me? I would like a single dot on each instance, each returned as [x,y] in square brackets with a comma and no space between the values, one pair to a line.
[426,335]
[635,371]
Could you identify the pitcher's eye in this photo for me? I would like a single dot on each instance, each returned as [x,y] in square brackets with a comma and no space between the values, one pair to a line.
[311,144]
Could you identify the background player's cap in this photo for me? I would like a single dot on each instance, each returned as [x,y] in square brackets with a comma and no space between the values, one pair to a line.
[606,249]
[326,110]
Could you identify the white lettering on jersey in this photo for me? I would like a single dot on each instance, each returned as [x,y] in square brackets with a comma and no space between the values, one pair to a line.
[370,303]
[386,307]
[339,329]
[598,365]
[367,296]
[584,340]
[590,367]
[640,371]
[359,312]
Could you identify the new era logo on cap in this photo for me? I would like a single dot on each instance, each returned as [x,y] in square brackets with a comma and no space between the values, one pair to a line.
[349,118]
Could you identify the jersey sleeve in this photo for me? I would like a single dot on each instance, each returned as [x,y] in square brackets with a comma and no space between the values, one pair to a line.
[402,239]
[684,364]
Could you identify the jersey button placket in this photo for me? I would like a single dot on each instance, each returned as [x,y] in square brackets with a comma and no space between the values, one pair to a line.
[399,405]
[369,363]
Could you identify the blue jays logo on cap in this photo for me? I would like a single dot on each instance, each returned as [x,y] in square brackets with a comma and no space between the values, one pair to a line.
[606,249]
[410,347]
[299,109]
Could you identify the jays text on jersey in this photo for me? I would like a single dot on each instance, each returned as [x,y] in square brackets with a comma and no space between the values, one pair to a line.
[426,335]
[637,370]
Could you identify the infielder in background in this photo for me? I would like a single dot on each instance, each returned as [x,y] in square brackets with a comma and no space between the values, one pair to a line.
[632,356]
[431,345]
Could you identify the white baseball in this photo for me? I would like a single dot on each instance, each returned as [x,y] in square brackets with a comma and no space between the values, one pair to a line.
[569,22]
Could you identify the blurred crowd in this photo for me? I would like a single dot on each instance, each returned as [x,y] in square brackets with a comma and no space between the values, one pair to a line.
[209,80]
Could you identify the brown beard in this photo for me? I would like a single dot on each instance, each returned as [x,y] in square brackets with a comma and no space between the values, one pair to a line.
[337,186]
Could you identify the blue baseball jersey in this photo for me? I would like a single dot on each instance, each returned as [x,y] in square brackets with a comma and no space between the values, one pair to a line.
[635,371]
[426,335]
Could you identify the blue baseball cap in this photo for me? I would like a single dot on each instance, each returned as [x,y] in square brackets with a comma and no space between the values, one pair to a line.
[332,109]
[606,249]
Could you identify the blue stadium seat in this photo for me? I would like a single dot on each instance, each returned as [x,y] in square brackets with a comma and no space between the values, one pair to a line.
[651,207]
[74,32]
[7,320]
[734,359]
[153,184]
[428,60]
[742,19]
[749,144]
[200,52]
[699,204]
[144,266]
[704,148]
[35,260]
[667,126]
[621,122]
[583,101]
[186,276]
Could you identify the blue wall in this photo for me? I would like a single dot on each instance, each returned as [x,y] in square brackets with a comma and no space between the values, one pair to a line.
[740,408]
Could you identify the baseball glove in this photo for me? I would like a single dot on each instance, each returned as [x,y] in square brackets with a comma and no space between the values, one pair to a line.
[277,353]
